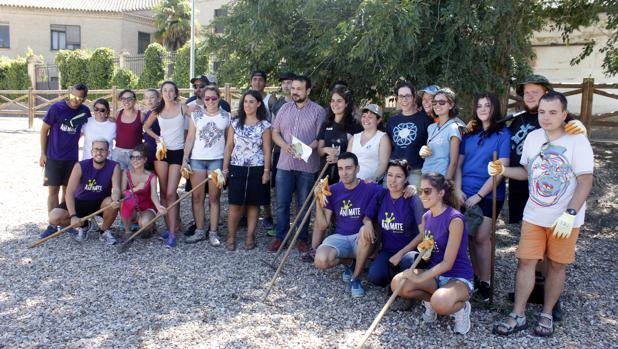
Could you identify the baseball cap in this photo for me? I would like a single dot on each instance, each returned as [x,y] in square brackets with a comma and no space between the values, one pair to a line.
[286,76]
[202,78]
[259,73]
[374,108]
[533,79]
[431,89]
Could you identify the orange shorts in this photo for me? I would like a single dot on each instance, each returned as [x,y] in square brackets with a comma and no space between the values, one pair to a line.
[536,242]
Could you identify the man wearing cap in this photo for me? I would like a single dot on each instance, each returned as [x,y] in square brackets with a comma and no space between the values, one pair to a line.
[198,83]
[258,83]
[408,130]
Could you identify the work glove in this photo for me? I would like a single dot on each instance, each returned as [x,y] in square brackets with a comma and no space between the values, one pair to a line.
[425,151]
[575,127]
[186,171]
[563,226]
[161,149]
[495,168]
[322,192]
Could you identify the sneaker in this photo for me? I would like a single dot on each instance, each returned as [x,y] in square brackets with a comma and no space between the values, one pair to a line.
[171,241]
[347,273]
[275,245]
[462,319]
[213,238]
[93,227]
[357,288]
[164,235]
[271,232]
[268,223]
[309,257]
[82,235]
[191,230]
[302,246]
[198,236]
[108,238]
[72,233]
[429,315]
[48,231]
[134,227]
[483,291]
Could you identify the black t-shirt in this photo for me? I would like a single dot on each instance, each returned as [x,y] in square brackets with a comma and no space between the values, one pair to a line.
[520,127]
[408,134]
[337,134]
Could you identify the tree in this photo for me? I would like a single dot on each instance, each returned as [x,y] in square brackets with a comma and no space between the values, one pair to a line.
[181,65]
[154,66]
[124,78]
[101,68]
[173,22]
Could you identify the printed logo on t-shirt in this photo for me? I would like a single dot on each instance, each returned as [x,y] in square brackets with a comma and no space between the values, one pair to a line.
[389,224]
[347,210]
[68,129]
[549,176]
[404,134]
[517,139]
[211,134]
[92,186]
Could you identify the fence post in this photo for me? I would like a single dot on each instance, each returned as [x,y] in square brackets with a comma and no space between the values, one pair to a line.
[114,101]
[32,63]
[586,104]
[227,93]
[30,108]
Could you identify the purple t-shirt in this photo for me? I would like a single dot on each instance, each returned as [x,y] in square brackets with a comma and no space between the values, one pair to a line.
[95,184]
[398,219]
[438,227]
[62,143]
[350,206]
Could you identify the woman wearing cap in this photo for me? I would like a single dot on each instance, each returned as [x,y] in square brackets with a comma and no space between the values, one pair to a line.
[371,146]
[426,98]
[475,185]
[442,149]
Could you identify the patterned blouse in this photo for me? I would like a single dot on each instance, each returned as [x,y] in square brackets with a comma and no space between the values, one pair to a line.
[248,143]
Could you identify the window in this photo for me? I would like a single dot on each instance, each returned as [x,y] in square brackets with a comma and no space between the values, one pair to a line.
[65,37]
[5,39]
[220,12]
[143,40]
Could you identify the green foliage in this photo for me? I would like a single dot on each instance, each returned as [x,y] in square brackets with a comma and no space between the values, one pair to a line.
[173,22]
[73,67]
[182,64]
[101,68]
[154,66]
[124,78]
[14,74]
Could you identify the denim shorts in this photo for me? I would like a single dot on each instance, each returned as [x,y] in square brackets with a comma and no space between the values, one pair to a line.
[346,245]
[442,280]
[206,165]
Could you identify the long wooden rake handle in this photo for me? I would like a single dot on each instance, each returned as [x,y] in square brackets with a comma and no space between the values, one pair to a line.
[123,246]
[390,301]
[493,232]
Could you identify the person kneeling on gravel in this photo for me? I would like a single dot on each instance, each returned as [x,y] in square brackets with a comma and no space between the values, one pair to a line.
[560,182]
[93,184]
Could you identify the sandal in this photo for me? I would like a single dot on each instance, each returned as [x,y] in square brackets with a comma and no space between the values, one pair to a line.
[545,326]
[230,245]
[250,243]
[505,327]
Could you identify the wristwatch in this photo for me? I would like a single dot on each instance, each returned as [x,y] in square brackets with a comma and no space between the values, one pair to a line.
[571,211]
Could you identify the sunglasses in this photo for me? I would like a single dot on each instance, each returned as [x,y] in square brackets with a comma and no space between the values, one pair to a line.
[196,86]
[440,102]
[127,99]
[75,98]
[102,110]
[136,157]
[211,98]
[426,191]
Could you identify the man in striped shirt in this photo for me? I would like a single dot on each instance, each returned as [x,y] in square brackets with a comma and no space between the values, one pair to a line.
[300,118]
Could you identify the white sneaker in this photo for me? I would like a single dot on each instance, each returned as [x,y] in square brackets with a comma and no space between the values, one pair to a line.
[197,237]
[462,319]
[429,315]
[213,238]
[107,237]
[82,235]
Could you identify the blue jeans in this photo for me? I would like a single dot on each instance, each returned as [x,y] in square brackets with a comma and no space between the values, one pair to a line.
[381,272]
[289,182]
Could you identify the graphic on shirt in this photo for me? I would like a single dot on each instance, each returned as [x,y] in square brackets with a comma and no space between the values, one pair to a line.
[549,176]
[404,134]
[389,224]
[210,134]
[68,129]
[347,210]
[92,186]
[517,140]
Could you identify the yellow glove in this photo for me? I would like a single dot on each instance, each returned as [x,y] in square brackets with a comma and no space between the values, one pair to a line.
[470,127]
[161,149]
[186,171]
[426,246]
[495,168]
[322,192]
[218,178]
[425,151]
[563,226]
[575,127]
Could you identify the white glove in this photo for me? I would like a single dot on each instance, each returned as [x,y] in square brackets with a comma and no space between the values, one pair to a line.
[495,168]
[425,151]
[563,226]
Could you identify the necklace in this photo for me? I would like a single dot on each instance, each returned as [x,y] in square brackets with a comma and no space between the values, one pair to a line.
[440,129]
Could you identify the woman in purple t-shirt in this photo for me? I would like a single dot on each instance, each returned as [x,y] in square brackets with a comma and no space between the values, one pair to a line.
[446,285]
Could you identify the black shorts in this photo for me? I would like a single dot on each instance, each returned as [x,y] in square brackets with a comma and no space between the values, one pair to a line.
[245,186]
[485,206]
[174,157]
[57,172]
[84,207]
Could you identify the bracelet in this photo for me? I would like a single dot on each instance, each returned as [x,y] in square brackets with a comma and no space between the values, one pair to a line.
[266,170]
[481,196]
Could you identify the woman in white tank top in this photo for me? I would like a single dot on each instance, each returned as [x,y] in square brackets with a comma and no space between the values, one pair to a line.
[372,147]
[172,117]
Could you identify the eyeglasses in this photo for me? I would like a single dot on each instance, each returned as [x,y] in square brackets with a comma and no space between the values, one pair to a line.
[99,150]
[127,99]
[76,98]
[404,96]
[196,86]
[102,110]
[136,157]
[439,102]
[425,191]
[211,98]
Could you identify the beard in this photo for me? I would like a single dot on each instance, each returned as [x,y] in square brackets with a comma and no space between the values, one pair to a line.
[99,162]
[299,99]
[531,110]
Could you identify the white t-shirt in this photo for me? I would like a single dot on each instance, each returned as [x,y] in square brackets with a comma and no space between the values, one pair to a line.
[209,134]
[368,155]
[94,129]
[552,172]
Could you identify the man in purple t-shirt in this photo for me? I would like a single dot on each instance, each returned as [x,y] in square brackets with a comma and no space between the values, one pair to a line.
[93,184]
[59,141]
[349,201]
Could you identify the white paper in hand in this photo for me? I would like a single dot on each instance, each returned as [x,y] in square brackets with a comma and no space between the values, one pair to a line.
[302,150]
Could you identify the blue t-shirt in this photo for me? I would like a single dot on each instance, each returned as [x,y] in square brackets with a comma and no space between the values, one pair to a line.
[440,143]
[408,133]
[65,129]
[478,151]
[350,206]
[398,219]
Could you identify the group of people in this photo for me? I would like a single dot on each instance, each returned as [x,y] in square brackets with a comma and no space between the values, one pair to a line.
[373,213]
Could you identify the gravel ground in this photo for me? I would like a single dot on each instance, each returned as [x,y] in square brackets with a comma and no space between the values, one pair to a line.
[65,294]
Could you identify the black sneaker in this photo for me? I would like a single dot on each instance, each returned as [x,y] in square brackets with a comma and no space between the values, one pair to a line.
[191,230]
[483,291]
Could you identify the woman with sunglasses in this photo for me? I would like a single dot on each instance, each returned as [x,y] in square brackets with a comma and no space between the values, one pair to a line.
[172,118]
[140,186]
[206,143]
[128,128]
[399,222]
[442,149]
[445,286]
[474,185]
[98,126]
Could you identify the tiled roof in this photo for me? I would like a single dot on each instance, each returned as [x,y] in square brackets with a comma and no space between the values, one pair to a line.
[84,5]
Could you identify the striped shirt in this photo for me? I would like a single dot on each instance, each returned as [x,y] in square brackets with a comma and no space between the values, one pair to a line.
[303,124]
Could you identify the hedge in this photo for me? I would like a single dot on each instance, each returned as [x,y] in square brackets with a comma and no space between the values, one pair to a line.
[73,67]
[124,78]
[101,68]
[14,74]
[154,66]
[182,64]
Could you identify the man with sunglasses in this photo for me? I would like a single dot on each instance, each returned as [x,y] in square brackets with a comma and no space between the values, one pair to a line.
[59,139]
[199,83]
[559,168]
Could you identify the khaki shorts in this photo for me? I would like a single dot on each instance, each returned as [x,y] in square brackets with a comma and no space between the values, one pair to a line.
[536,242]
